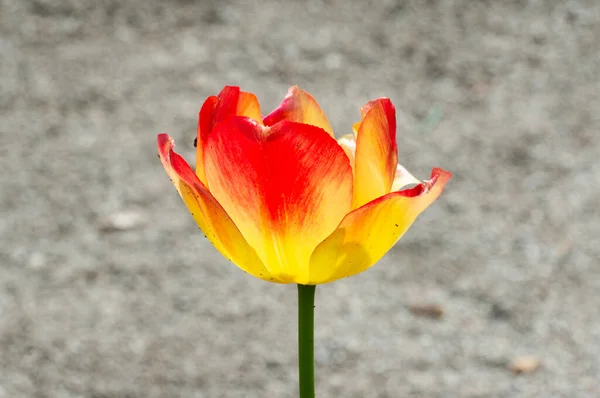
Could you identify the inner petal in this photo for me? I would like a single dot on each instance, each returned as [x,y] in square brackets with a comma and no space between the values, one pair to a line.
[376,156]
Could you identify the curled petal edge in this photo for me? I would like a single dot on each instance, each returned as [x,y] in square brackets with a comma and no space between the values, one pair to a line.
[403,178]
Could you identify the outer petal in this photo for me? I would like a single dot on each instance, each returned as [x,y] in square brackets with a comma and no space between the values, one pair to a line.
[286,187]
[376,152]
[368,232]
[229,103]
[299,106]
[208,213]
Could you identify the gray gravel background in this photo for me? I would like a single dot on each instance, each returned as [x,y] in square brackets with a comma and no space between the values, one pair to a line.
[505,94]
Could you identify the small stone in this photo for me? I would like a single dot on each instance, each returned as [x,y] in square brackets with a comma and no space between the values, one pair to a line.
[428,310]
[37,260]
[525,364]
[122,221]
[499,312]
[334,61]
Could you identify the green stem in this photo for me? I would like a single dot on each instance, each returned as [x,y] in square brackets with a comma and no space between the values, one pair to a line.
[306,340]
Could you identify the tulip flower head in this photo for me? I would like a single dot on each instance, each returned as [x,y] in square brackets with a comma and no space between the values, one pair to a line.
[284,200]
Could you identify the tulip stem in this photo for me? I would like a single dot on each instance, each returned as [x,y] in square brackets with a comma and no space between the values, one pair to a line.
[306,340]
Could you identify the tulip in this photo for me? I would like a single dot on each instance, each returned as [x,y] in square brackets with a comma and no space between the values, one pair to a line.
[286,202]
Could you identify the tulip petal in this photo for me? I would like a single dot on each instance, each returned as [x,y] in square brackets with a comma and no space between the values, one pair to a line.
[376,154]
[367,233]
[299,106]
[286,187]
[229,103]
[208,213]
[403,178]
[348,144]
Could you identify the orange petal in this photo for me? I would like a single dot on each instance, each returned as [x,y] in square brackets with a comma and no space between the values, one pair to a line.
[286,187]
[299,106]
[208,213]
[376,155]
[367,233]
[229,103]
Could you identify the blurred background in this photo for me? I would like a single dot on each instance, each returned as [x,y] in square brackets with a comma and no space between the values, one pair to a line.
[108,290]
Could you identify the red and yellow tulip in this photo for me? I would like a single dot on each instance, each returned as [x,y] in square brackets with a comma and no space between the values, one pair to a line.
[284,200]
